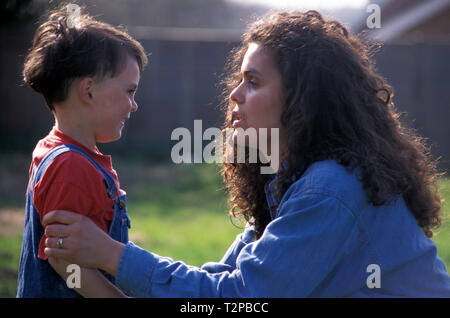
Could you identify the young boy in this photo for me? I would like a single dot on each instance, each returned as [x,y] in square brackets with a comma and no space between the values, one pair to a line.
[88,73]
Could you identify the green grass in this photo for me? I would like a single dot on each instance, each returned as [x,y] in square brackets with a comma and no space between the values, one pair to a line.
[442,234]
[177,211]
[182,216]
[9,263]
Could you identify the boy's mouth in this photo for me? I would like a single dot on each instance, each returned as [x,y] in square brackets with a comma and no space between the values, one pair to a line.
[124,120]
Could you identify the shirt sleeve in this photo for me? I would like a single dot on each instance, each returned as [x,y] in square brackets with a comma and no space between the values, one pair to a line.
[295,254]
[70,183]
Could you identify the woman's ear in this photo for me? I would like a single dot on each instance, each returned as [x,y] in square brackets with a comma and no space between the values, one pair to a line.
[85,90]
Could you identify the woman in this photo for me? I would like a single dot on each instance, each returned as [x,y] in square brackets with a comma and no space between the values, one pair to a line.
[349,213]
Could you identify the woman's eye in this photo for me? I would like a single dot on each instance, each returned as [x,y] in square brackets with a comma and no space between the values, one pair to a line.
[252,82]
[131,91]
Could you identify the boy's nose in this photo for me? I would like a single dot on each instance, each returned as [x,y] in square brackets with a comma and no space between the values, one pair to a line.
[134,106]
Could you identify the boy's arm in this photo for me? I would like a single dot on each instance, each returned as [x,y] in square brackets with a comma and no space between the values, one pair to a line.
[93,284]
[72,182]
[69,183]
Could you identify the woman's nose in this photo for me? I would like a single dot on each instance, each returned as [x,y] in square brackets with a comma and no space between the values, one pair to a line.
[236,96]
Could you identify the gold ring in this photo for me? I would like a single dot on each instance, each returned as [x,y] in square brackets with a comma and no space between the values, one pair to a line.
[59,243]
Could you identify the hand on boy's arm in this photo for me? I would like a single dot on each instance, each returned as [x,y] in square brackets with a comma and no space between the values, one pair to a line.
[79,233]
[93,284]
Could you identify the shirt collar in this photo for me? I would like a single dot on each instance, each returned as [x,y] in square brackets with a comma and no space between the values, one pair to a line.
[270,189]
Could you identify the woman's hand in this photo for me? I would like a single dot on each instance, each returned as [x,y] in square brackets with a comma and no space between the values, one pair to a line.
[83,242]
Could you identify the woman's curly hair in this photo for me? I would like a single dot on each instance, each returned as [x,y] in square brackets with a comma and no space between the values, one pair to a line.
[336,107]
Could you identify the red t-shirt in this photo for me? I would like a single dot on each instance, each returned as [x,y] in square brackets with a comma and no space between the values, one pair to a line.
[71,182]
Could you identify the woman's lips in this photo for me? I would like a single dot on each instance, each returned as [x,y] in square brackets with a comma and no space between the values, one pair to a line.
[238,123]
[237,119]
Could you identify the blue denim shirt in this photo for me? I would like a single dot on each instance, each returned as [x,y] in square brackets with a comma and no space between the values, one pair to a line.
[321,242]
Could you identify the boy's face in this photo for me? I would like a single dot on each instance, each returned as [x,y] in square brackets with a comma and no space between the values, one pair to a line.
[114,102]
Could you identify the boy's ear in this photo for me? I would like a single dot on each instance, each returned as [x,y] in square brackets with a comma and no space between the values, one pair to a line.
[85,90]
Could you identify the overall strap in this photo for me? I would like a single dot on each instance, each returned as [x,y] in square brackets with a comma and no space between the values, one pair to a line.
[37,175]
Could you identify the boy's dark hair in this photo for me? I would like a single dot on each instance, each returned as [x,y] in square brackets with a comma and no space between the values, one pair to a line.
[69,46]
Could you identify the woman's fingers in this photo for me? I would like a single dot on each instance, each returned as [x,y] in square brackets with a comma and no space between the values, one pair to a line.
[56,230]
[83,242]
[52,242]
[60,216]
[57,253]
[52,250]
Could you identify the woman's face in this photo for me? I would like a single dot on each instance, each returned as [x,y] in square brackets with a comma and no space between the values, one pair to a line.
[258,99]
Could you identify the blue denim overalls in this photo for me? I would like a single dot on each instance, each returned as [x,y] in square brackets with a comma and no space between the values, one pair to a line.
[36,277]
